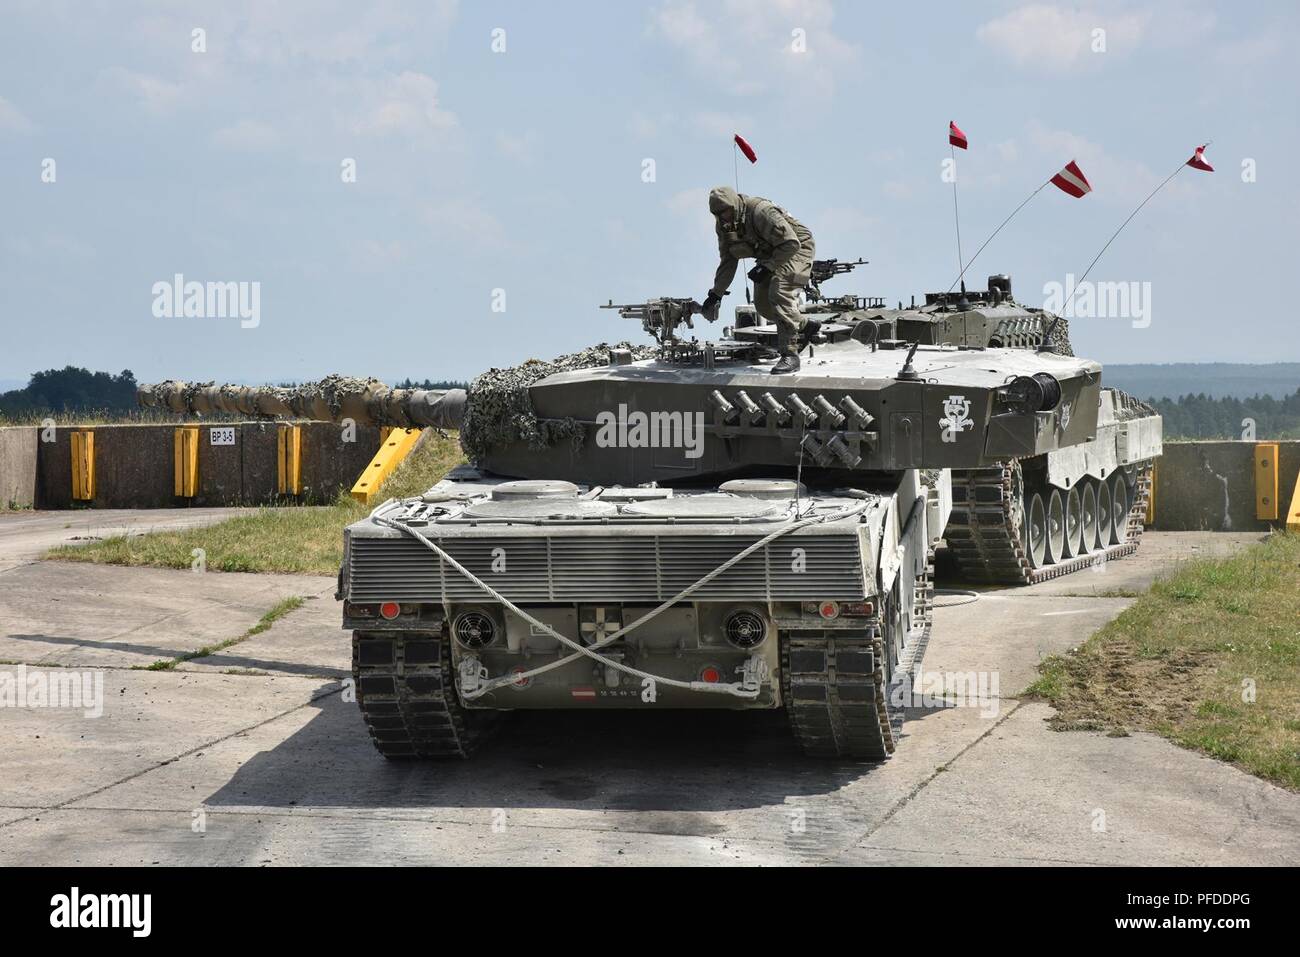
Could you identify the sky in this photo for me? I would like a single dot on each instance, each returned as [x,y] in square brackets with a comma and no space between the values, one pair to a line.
[431,189]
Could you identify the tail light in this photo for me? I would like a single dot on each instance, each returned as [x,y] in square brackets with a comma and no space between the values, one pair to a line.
[830,610]
[390,610]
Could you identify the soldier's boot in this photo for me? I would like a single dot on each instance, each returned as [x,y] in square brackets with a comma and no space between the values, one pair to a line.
[785,344]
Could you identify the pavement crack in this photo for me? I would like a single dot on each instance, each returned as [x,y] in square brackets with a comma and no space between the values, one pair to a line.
[920,786]
[65,805]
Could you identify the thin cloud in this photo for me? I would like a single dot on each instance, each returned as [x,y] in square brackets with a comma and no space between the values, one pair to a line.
[752,47]
[1061,39]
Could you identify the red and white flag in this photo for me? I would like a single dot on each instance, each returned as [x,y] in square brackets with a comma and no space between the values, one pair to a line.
[955,136]
[1072,180]
[1198,160]
[746,149]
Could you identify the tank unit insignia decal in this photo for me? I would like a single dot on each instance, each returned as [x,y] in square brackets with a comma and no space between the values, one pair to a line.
[1064,414]
[956,417]
[597,622]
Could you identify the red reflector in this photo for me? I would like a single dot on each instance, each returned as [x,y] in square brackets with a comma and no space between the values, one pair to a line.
[829,609]
[710,674]
[390,610]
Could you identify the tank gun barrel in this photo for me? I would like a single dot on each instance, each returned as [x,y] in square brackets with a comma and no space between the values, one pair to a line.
[332,399]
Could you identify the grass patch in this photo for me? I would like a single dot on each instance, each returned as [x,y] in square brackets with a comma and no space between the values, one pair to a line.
[266,621]
[1186,658]
[306,540]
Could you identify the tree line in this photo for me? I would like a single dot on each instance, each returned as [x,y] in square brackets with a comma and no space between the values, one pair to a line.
[72,389]
[1202,417]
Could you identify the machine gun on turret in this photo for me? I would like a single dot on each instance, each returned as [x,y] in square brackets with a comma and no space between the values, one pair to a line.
[659,317]
[823,269]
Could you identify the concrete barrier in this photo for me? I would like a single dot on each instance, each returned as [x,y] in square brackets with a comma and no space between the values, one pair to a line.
[18,466]
[1211,486]
[238,464]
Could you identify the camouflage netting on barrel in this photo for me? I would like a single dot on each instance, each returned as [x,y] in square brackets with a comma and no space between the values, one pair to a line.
[499,410]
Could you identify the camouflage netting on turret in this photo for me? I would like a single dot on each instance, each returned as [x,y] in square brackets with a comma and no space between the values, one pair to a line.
[1061,336]
[499,410]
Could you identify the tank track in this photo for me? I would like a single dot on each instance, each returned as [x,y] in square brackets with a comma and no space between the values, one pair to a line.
[984,536]
[406,689]
[838,689]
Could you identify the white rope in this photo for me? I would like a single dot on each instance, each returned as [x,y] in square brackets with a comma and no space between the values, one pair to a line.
[957,593]
[732,688]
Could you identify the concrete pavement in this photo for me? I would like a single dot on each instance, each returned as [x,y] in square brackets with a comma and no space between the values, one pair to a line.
[253,757]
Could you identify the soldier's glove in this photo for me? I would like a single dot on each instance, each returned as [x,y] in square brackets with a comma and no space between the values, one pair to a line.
[709,307]
[760,274]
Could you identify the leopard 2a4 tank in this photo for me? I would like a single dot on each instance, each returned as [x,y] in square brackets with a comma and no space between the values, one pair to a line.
[1028,517]
[675,527]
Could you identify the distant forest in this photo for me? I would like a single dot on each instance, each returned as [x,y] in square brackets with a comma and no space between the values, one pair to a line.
[71,389]
[1200,417]
[1192,416]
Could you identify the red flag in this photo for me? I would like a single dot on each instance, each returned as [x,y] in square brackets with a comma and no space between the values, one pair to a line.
[1198,160]
[955,136]
[1072,180]
[746,149]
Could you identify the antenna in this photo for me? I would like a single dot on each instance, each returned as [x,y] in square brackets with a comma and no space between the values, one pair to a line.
[1162,185]
[955,217]
[907,373]
[962,275]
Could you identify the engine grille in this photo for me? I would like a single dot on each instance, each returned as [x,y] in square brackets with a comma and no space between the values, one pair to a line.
[599,568]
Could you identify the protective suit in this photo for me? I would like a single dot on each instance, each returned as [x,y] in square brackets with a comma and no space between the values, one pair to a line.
[751,227]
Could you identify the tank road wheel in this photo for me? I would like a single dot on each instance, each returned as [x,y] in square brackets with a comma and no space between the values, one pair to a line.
[1118,509]
[1088,538]
[1056,526]
[836,688]
[1036,532]
[1073,523]
[1105,518]
[407,692]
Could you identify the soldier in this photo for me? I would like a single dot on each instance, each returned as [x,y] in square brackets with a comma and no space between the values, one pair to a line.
[753,227]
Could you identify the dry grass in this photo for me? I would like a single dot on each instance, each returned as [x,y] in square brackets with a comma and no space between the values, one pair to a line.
[302,540]
[1182,661]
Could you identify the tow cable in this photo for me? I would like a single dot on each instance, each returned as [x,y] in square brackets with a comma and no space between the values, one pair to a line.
[473,680]
[961,596]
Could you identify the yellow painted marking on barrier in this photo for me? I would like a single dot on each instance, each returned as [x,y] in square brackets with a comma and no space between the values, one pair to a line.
[83,465]
[289,460]
[396,447]
[1266,480]
[185,474]
[1151,495]
[1293,513]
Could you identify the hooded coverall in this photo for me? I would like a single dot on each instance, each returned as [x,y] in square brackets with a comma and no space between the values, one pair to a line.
[763,231]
